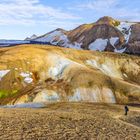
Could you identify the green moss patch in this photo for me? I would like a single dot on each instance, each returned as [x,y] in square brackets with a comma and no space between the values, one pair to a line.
[5,94]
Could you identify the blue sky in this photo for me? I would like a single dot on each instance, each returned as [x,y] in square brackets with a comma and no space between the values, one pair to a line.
[22,18]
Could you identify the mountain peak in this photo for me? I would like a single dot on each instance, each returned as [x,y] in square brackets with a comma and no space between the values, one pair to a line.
[32,37]
[61,30]
[108,20]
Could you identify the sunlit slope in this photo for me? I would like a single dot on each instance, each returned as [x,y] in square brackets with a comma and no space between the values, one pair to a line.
[35,73]
[106,34]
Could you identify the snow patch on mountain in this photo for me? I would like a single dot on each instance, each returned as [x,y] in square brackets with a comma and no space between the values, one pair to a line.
[58,67]
[125,28]
[94,94]
[23,74]
[113,40]
[58,38]
[53,38]
[98,45]
[125,75]
[27,77]
[107,68]
[28,80]
[3,73]
[75,45]
[92,63]
[120,51]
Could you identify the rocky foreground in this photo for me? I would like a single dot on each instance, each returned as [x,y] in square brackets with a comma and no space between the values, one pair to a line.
[85,121]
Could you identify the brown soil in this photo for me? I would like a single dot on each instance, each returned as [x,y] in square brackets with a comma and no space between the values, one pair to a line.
[84,121]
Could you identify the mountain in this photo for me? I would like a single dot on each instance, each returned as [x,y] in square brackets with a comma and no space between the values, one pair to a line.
[39,73]
[107,34]
[6,43]
[32,37]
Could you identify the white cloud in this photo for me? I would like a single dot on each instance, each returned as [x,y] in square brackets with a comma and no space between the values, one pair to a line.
[98,4]
[114,8]
[29,12]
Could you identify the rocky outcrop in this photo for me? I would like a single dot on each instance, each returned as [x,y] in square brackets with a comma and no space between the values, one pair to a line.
[135,33]
[133,45]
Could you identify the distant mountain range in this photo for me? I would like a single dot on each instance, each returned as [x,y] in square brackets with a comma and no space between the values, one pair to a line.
[6,43]
[107,34]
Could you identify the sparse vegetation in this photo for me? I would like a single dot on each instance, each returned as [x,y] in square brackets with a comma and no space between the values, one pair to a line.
[117,23]
[5,94]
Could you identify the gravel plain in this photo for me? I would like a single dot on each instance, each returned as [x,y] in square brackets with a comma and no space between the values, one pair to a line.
[70,121]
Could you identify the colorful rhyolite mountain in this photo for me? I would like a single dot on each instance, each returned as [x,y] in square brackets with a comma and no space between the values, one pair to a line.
[107,34]
[39,73]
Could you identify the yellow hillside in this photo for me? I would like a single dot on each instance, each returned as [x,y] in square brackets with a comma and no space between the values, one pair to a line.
[45,73]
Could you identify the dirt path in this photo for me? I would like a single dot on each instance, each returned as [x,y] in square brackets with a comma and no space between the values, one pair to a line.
[84,121]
